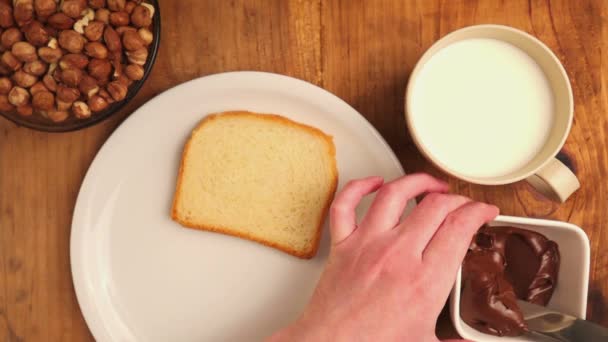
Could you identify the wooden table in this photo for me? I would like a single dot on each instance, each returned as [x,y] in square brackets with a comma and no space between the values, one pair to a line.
[362,51]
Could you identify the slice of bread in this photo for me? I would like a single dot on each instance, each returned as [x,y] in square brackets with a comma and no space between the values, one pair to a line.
[261,177]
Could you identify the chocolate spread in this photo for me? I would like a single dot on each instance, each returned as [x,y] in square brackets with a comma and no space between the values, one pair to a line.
[504,264]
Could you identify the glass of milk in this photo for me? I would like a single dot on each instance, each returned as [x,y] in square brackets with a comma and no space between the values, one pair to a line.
[492,105]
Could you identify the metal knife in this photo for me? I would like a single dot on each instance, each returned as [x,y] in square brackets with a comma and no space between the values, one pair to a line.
[549,325]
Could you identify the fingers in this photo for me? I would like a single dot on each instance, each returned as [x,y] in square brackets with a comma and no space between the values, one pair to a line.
[342,217]
[419,227]
[388,206]
[447,248]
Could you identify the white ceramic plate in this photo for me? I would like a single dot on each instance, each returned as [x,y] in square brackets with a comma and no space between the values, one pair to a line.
[141,277]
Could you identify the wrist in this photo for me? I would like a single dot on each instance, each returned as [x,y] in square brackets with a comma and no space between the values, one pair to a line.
[300,330]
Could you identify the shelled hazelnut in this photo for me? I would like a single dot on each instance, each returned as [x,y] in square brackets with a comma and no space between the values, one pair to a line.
[25,110]
[71,41]
[146,35]
[5,85]
[81,110]
[18,96]
[138,56]
[43,100]
[97,103]
[36,68]
[94,30]
[10,36]
[36,34]
[10,61]
[50,55]
[38,87]
[71,58]
[23,79]
[5,104]
[44,8]
[58,115]
[24,51]
[60,21]
[134,72]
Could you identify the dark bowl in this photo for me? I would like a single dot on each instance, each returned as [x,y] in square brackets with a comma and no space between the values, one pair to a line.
[40,123]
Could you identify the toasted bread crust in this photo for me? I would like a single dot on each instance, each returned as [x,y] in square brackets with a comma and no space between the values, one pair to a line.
[308,254]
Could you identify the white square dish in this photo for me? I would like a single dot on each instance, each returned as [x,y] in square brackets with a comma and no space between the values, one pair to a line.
[570,295]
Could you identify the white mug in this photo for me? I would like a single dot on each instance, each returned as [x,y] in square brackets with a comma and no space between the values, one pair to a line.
[547,174]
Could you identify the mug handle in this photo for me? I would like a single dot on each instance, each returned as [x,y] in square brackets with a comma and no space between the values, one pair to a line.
[555,181]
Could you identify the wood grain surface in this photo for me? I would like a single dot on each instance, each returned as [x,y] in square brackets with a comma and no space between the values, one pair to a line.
[363,51]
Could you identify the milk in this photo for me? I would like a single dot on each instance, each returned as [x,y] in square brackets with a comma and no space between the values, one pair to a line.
[482,107]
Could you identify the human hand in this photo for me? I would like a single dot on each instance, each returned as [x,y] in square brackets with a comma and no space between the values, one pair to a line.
[386,279]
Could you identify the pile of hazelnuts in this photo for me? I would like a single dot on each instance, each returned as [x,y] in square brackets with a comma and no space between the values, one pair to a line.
[63,58]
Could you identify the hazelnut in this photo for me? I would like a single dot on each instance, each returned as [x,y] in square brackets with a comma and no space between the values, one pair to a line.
[134,72]
[5,70]
[63,105]
[49,55]
[18,96]
[81,110]
[71,77]
[25,110]
[100,69]
[73,60]
[6,15]
[106,96]
[10,37]
[138,56]
[96,50]
[60,21]
[97,4]
[67,94]
[102,82]
[23,11]
[36,34]
[49,82]
[23,79]
[73,8]
[5,105]
[71,41]
[122,29]
[44,8]
[5,85]
[94,30]
[53,32]
[149,7]
[112,39]
[43,100]
[116,5]
[80,25]
[97,103]
[57,115]
[24,51]
[37,87]
[102,15]
[141,16]
[123,79]
[129,6]
[146,35]
[119,18]
[132,41]
[88,86]
[36,68]
[10,61]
